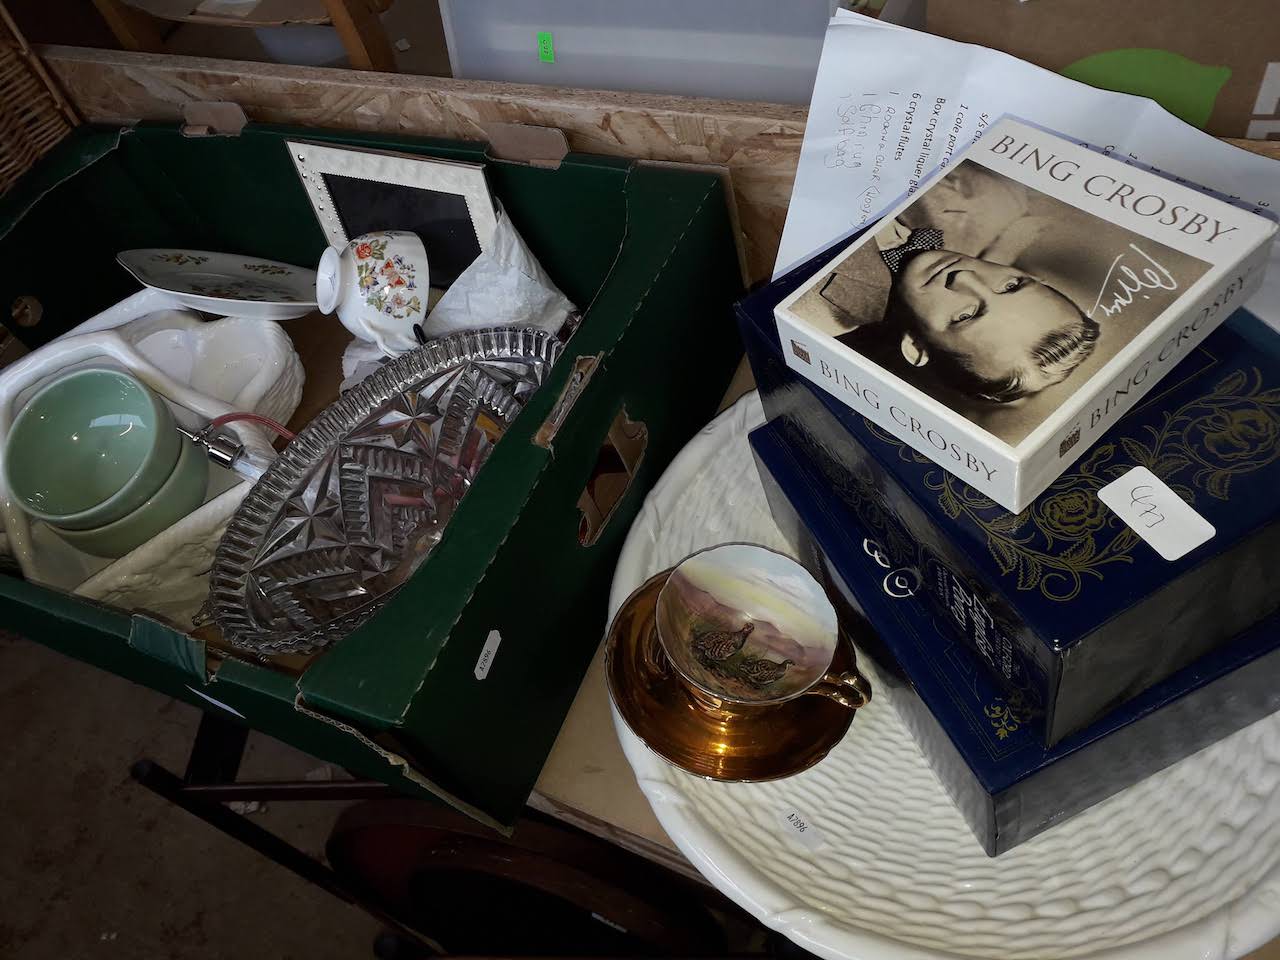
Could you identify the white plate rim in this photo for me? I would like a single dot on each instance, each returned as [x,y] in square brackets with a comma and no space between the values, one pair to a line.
[130,260]
[1230,931]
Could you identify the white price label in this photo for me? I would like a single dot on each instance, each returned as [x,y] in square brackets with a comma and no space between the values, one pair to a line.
[802,829]
[1155,513]
[487,653]
[216,703]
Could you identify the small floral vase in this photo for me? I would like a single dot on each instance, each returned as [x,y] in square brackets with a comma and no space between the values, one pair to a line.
[378,285]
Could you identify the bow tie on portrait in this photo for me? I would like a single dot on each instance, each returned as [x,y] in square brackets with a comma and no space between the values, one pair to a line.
[925,238]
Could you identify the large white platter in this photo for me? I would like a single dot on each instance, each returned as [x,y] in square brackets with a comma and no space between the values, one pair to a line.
[224,283]
[1185,864]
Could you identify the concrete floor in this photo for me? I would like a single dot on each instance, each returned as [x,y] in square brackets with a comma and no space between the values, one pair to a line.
[93,865]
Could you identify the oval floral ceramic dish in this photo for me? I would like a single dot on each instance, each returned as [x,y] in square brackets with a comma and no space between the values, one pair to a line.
[1185,864]
[224,283]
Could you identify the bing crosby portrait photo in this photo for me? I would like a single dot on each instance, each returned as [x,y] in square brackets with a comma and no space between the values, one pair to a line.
[995,299]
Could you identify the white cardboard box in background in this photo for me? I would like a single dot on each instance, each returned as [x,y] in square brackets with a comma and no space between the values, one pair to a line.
[729,49]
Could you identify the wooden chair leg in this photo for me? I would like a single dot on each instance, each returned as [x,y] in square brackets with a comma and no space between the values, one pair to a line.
[362,35]
[134,29]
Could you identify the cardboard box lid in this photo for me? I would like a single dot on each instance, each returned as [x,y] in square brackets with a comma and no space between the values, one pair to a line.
[1207,64]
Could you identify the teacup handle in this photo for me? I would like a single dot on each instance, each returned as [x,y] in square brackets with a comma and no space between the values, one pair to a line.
[849,689]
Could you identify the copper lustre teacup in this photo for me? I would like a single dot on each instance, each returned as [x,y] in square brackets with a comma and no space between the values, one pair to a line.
[746,627]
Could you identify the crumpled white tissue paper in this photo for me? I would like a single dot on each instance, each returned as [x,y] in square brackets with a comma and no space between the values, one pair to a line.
[504,287]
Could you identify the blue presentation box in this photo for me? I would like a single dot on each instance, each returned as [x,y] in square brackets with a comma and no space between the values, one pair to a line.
[977,738]
[1070,608]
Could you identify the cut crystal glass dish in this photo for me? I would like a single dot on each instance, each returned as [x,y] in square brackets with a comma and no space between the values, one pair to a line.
[354,503]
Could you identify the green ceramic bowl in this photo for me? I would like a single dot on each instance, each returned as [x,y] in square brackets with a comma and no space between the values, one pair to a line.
[90,448]
[181,493]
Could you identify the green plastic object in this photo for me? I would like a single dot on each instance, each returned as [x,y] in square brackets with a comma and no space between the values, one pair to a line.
[647,251]
[1187,89]
[546,47]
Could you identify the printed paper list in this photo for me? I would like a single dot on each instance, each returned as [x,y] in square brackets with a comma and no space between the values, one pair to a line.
[869,144]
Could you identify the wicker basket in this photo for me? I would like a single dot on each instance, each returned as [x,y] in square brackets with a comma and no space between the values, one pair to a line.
[34,116]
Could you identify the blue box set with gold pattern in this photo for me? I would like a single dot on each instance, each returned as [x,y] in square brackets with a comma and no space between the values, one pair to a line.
[1056,656]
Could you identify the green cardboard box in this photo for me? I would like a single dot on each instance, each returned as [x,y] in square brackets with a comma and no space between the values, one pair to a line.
[647,251]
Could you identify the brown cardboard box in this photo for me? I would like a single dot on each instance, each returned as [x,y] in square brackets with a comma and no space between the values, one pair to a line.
[1217,66]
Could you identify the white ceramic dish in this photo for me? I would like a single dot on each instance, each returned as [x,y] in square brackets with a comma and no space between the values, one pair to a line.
[248,364]
[1185,864]
[225,283]
[169,575]
[144,303]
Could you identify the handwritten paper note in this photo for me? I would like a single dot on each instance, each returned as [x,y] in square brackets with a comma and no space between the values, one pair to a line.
[1156,513]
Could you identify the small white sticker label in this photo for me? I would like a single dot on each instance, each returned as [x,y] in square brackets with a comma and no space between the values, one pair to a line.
[801,829]
[216,703]
[487,654]
[1155,513]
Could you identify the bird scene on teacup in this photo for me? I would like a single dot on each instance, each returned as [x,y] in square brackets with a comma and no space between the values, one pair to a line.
[746,623]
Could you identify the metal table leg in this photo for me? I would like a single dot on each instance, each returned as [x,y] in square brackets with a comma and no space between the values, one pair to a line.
[210,782]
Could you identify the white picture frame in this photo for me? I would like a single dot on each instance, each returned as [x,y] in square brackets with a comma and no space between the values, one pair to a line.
[315,162]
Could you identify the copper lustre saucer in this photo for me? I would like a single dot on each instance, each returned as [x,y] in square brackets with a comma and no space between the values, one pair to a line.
[717,739]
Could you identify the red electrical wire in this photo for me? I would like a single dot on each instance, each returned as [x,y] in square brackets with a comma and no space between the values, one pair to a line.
[267,422]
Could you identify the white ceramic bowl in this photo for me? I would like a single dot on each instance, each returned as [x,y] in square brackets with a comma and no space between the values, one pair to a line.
[249,364]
